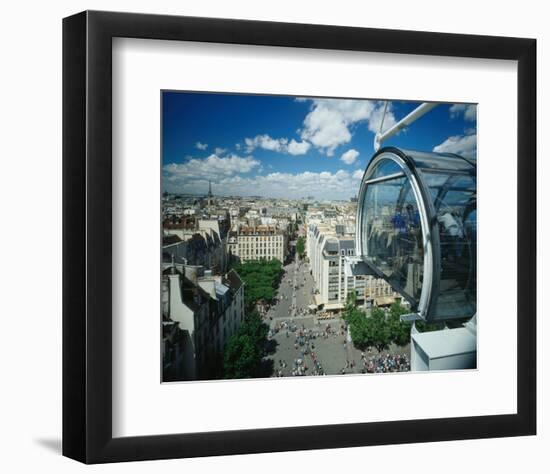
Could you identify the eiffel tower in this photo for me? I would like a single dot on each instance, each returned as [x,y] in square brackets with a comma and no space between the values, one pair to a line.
[210,199]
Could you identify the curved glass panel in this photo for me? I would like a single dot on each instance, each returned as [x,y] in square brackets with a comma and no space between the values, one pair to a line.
[385,168]
[454,198]
[392,235]
[439,161]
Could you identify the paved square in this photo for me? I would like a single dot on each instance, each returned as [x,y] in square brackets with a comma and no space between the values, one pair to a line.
[305,345]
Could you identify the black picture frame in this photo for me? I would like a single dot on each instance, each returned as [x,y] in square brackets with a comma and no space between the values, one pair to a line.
[87,249]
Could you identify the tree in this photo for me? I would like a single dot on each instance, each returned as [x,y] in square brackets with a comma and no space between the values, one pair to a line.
[400,331]
[261,279]
[360,328]
[244,350]
[255,329]
[300,247]
[397,309]
[351,303]
[240,358]
[365,331]
[379,329]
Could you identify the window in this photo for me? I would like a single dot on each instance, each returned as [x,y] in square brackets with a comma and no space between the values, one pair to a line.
[392,234]
[454,198]
[393,240]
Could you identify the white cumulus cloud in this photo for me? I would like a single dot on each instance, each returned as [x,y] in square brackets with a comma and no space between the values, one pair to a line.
[265,142]
[213,167]
[468,110]
[279,145]
[201,146]
[349,156]
[322,185]
[358,174]
[375,119]
[329,122]
[298,148]
[464,145]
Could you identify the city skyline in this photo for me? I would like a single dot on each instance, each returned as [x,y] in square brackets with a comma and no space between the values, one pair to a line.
[292,147]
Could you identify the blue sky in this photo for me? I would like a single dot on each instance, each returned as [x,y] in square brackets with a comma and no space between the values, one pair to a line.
[279,146]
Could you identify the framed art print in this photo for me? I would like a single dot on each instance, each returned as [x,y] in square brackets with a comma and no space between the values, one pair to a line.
[286,237]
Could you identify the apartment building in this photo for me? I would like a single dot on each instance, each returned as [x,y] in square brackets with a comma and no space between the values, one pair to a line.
[258,242]
[200,313]
[197,242]
[337,272]
[327,252]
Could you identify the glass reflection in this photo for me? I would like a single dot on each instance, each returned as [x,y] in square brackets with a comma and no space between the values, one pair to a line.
[392,234]
[392,239]
[455,206]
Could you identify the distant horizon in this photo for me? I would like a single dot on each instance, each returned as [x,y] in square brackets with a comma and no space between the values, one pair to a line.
[214,196]
[291,146]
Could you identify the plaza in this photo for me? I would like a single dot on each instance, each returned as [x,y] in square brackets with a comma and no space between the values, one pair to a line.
[306,342]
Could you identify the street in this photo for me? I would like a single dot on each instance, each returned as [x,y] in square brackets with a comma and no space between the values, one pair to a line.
[306,345]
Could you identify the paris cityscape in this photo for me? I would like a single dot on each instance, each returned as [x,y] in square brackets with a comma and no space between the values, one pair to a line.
[260,272]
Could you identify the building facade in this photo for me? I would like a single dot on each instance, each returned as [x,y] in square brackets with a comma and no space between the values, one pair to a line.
[201,312]
[257,242]
[202,243]
[327,254]
[337,272]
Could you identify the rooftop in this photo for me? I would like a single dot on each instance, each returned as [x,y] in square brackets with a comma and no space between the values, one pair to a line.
[259,230]
[437,344]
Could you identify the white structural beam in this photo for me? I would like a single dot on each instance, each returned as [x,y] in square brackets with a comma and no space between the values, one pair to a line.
[421,110]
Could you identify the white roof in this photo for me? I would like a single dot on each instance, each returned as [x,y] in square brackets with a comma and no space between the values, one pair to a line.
[438,344]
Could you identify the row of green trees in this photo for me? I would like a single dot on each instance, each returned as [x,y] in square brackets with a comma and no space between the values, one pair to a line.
[301,247]
[379,329]
[292,229]
[244,350]
[261,279]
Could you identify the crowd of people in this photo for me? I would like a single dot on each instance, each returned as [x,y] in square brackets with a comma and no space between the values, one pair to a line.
[306,360]
[304,335]
[304,344]
[300,366]
[383,363]
[295,282]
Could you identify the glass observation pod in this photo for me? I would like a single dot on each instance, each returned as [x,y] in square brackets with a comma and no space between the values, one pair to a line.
[416,219]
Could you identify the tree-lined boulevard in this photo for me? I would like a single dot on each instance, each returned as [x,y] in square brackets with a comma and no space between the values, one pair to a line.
[289,338]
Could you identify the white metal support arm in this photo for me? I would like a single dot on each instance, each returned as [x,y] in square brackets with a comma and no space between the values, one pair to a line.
[404,122]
